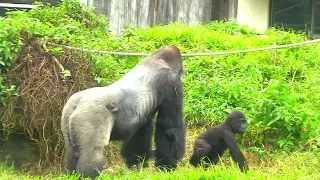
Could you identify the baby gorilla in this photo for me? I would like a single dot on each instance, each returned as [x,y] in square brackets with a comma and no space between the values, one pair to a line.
[211,144]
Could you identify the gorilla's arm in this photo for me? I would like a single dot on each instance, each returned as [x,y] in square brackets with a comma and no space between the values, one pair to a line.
[235,152]
[170,127]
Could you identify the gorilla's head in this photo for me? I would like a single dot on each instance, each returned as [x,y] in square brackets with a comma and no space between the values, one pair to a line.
[238,121]
[171,55]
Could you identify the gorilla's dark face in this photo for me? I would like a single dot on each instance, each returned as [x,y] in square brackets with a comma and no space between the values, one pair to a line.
[237,121]
[240,125]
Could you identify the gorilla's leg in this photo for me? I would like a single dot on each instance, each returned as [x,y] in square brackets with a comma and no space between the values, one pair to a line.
[201,153]
[90,130]
[91,155]
[91,162]
[137,149]
[170,145]
[71,158]
[71,152]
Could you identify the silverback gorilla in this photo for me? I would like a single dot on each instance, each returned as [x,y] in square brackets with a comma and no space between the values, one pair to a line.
[124,111]
[211,144]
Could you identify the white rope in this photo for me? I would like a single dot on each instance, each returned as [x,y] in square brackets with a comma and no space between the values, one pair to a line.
[193,54]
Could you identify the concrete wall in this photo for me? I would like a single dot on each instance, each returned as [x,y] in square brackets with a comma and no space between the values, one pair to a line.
[228,9]
[184,11]
[254,13]
[142,13]
[137,13]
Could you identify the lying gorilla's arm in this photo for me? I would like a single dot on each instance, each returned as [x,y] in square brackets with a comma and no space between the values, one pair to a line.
[236,154]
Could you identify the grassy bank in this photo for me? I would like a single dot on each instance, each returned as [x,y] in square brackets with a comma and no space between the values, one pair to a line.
[294,166]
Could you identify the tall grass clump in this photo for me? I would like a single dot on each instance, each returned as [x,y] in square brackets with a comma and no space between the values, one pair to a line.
[279,90]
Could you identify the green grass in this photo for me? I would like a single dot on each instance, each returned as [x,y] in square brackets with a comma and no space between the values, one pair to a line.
[299,165]
[279,90]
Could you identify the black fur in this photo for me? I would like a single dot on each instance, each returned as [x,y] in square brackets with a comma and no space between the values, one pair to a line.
[125,111]
[210,145]
[138,149]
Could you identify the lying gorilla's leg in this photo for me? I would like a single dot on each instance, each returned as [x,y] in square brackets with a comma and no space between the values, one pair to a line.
[91,161]
[137,149]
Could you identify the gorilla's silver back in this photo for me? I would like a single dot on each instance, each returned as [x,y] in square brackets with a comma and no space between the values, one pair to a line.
[130,98]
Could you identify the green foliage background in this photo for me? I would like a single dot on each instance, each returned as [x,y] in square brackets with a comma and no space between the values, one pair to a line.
[279,90]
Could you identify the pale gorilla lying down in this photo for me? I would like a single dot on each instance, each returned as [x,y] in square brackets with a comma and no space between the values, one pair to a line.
[124,111]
